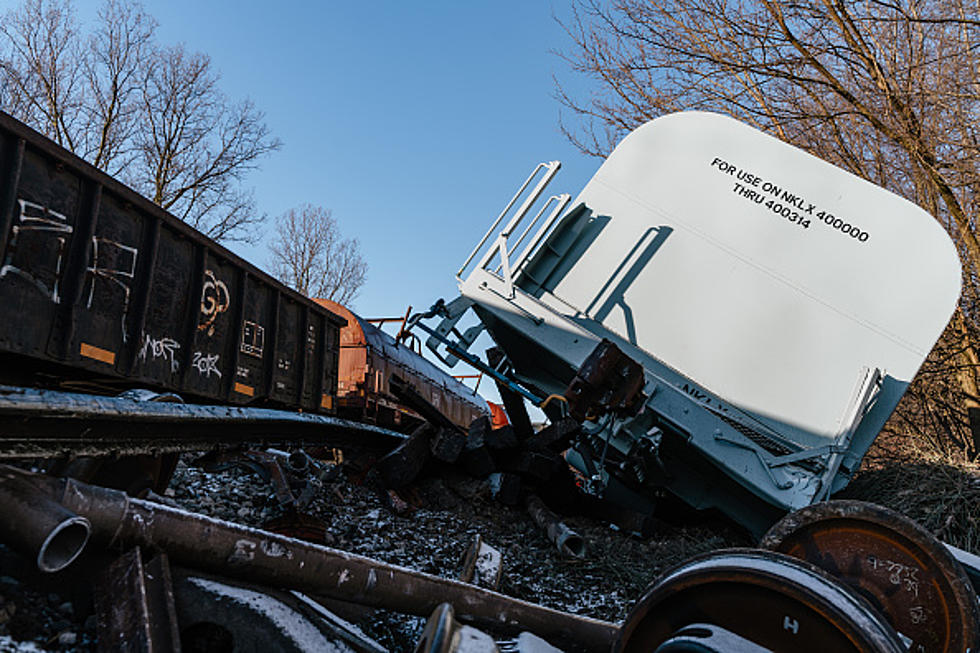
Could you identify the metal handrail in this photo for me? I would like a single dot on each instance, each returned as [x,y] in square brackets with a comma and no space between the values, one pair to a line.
[545,229]
[551,168]
[527,230]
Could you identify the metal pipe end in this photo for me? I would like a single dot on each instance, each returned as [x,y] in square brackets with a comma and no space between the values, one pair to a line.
[64,543]
[298,462]
[573,545]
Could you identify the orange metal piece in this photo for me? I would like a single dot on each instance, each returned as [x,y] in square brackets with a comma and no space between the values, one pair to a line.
[498,417]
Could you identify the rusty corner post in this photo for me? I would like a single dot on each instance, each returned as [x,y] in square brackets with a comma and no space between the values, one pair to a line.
[38,526]
[267,559]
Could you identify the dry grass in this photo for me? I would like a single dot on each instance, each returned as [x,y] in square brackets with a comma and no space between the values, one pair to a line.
[939,491]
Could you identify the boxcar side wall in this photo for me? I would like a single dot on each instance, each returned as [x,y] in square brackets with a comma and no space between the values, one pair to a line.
[97,277]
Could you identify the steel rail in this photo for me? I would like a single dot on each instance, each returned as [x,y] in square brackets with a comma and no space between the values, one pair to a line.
[45,423]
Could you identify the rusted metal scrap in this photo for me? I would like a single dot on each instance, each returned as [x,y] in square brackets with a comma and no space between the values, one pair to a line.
[405,463]
[264,558]
[443,634]
[45,423]
[37,525]
[608,380]
[568,542]
[295,476]
[134,602]
[907,573]
[482,565]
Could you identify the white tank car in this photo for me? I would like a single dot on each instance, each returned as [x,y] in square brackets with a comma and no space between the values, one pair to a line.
[778,305]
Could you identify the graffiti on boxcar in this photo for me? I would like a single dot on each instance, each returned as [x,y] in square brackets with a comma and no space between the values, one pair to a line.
[215,300]
[33,221]
[165,348]
[206,364]
[253,339]
[114,263]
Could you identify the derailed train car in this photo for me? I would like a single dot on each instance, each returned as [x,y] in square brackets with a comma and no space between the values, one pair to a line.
[105,290]
[729,317]
[369,358]
[101,285]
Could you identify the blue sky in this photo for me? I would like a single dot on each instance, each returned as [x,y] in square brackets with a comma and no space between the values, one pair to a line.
[413,122]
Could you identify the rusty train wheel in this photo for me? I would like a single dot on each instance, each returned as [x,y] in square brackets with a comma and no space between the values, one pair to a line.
[894,563]
[764,600]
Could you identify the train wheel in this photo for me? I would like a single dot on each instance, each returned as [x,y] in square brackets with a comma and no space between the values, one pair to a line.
[747,600]
[898,566]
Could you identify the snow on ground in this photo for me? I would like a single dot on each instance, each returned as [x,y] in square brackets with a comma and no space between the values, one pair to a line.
[432,537]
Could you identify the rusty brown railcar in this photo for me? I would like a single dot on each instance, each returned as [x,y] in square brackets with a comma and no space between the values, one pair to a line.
[369,357]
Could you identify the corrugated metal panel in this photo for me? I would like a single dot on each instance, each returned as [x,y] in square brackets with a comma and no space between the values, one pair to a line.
[102,280]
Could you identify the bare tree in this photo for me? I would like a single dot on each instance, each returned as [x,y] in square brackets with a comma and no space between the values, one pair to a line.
[152,115]
[41,76]
[888,89]
[114,76]
[310,256]
[195,146]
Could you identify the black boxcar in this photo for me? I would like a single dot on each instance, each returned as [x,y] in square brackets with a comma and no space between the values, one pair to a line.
[98,281]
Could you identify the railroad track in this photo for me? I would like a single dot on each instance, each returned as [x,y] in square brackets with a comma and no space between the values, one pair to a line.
[51,424]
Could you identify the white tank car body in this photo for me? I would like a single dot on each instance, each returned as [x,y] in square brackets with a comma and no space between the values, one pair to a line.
[755,279]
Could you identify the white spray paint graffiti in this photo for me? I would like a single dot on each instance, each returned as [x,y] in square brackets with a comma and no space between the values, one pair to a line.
[244,551]
[35,218]
[206,364]
[117,266]
[166,348]
[214,301]
[253,339]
